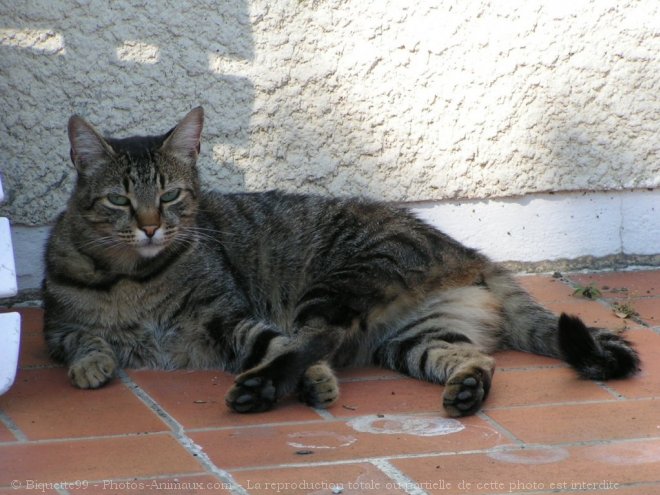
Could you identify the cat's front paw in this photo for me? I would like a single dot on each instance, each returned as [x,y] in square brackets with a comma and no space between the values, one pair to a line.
[93,370]
[466,390]
[251,394]
[318,386]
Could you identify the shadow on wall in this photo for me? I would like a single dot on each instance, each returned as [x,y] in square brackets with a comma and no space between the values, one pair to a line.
[127,70]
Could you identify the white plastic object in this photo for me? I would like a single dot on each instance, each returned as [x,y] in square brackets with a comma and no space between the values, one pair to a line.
[10,323]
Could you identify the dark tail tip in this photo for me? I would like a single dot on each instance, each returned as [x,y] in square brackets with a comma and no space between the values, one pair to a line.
[595,354]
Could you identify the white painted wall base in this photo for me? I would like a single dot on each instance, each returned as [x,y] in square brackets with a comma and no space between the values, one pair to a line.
[530,229]
[553,226]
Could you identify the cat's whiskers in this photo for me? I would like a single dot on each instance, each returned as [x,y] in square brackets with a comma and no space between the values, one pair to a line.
[221,241]
[106,241]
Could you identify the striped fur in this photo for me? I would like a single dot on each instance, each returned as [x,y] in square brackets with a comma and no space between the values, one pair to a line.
[144,269]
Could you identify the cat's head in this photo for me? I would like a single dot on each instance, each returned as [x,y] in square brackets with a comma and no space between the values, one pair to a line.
[137,195]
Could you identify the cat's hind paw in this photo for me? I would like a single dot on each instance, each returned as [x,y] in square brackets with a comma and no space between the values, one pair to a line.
[318,386]
[466,390]
[251,394]
[93,370]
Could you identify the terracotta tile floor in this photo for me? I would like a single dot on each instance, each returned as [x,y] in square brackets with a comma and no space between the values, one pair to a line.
[542,430]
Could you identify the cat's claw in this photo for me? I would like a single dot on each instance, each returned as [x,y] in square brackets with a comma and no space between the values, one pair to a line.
[255,394]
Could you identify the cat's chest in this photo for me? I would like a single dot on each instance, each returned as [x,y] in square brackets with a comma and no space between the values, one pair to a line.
[126,303]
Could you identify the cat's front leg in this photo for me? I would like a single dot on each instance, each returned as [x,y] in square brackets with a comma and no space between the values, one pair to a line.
[94,363]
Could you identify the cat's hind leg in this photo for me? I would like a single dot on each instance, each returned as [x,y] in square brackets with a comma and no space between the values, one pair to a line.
[465,371]
[447,341]
[276,365]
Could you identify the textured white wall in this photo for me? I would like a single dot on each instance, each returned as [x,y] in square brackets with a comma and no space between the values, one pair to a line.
[394,99]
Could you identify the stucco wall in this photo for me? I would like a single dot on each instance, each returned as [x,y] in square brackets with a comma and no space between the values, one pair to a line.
[398,100]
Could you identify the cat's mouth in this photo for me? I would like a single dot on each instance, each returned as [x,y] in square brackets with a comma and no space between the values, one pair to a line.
[150,249]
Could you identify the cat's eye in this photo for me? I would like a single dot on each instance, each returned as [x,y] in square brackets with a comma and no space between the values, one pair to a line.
[170,196]
[118,200]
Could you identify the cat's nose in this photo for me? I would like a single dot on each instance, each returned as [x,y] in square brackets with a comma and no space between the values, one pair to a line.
[150,230]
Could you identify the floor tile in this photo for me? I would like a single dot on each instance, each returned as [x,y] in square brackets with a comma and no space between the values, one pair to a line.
[33,353]
[100,434]
[5,434]
[391,396]
[351,479]
[29,490]
[97,459]
[647,382]
[545,386]
[582,422]
[43,404]
[545,288]
[622,284]
[648,310]
[179,485]
[196,400]
[537,469]
[33,346]
[592,312]
[517,359]
[369,436]
[634,489]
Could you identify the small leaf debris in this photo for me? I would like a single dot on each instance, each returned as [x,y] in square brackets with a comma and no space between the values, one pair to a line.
[588,292]
[624,310]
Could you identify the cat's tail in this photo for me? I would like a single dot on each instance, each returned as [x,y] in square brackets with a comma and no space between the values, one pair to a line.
[596,354]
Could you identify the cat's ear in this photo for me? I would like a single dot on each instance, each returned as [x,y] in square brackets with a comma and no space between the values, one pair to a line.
[182,142]
[88,148]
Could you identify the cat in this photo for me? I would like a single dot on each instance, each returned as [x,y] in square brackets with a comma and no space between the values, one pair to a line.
[144,269]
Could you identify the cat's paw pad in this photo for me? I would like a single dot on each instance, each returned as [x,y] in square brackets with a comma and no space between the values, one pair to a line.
[465,391]
[251,394]
[318,386]
[93,370]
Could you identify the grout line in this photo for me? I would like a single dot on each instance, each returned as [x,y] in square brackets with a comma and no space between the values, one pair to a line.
[12,427]
[501,429]
[179,433]
[604,386]
[377,378]
[45,441]
[32,367]
[557,366]
[402,480]
[319,421]
[324,413]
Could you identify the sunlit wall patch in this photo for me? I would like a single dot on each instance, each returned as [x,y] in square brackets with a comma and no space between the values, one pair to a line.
[138,52]
[40,41]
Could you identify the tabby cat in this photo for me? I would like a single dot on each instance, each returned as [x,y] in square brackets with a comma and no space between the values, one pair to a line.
[146,270]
